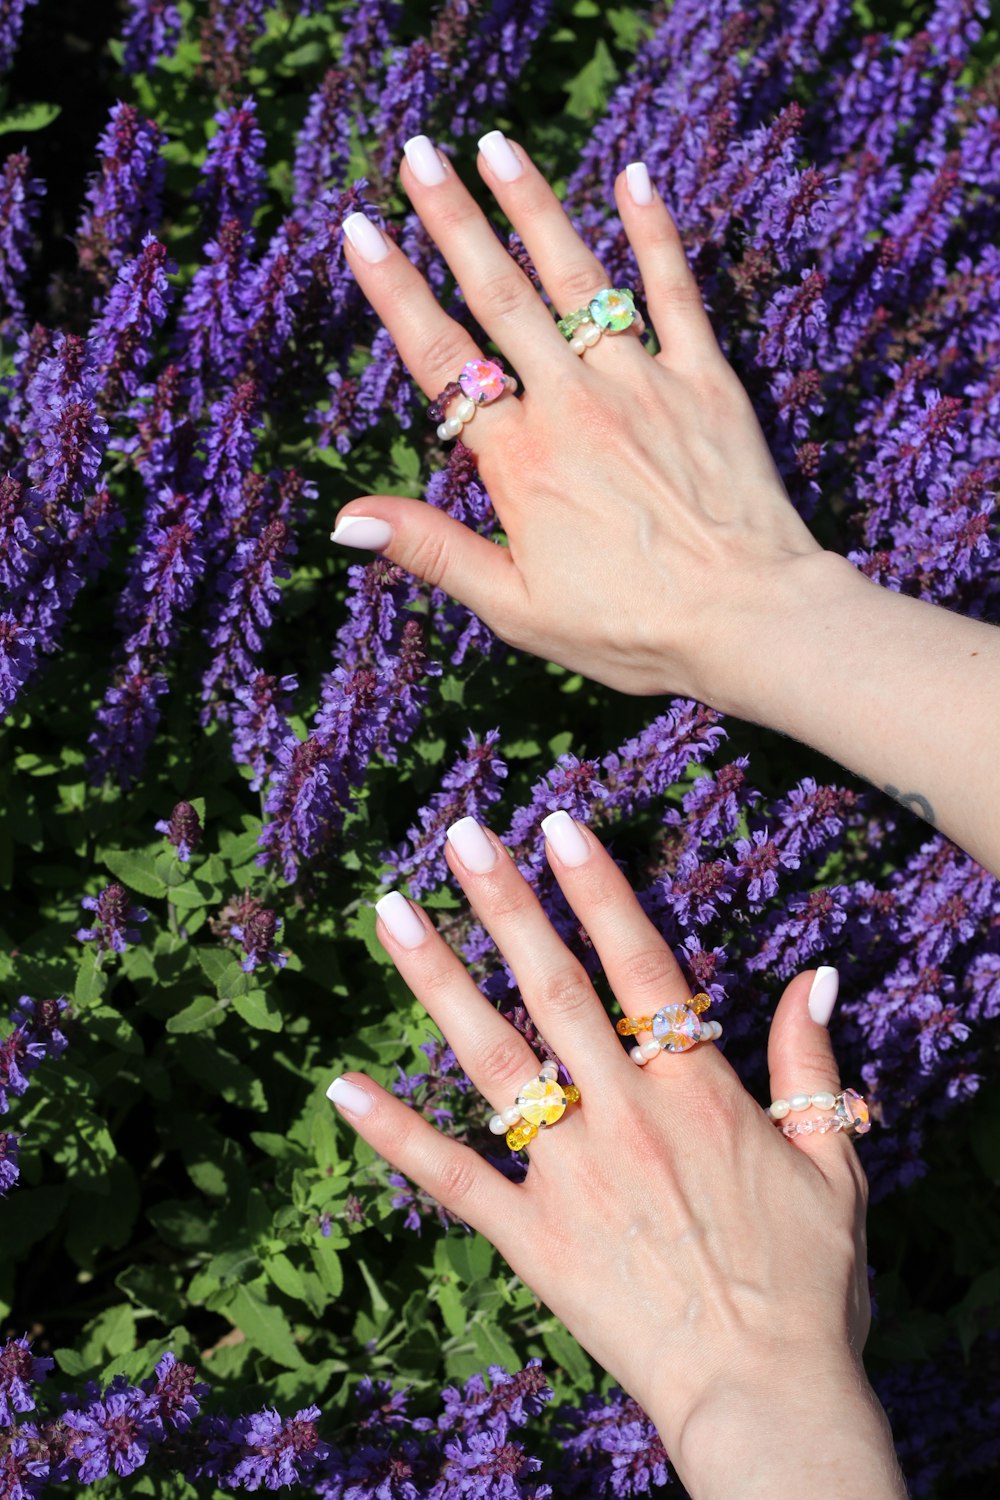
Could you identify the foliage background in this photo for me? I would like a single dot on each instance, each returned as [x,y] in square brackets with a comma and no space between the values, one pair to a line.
[184,1182]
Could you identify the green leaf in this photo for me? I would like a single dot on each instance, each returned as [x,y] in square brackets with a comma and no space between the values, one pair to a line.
[565,1352]
[470,1257]
[203,1012]
[265,1326]
[494,1347]
[285,1277]
[194,893]
[136,870]
[24,117]
[184,1224]
[91,981]
[328,1268]
[214,962]
[259,1010]
[588,91]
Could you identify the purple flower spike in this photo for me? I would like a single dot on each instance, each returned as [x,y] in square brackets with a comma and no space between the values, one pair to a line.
[176,1391]
[124,196]
[19,195]
[233,176]
[9,1173]
[276,1451]
[17,659]
[112,929]
[19,1371]
[11,22]
[113,1434]
[182,829]
[256,931]
[151,33]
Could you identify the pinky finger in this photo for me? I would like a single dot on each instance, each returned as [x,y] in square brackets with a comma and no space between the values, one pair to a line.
[672,296]
[453,1174]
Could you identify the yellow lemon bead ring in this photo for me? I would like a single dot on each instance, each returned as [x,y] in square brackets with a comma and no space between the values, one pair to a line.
[540,1102]
[611,311]
[850,1113]
[675,1028]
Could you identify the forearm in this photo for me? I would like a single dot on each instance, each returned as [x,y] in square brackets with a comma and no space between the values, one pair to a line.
[904,693]
[790,1431]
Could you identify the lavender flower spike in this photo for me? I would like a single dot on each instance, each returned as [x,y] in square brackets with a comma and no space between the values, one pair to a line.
[256,932]
[112,929]
[11,22]
[151,33]
[9,1171]
[19,1371]
[124,196]
[182,829]
[233,176]
[19,195]
[113,1434]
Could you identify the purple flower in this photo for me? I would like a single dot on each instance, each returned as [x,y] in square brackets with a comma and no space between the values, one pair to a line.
[248,590]
[266,1451]
[213,315]
[112,1434]
[228,34]
[120,342]
[19,1371]
[17,659]
[487,1465]
[19,1053]
[260,723]
[151,33]
[11,22]
[39,1020]
[613,1446]
[124,195]
[256,932]
[19,205]
[322,145]
[182,829]
[9,1169]
[176,1391]
[233,175]
[112,929]
[759,858]
[24,1466]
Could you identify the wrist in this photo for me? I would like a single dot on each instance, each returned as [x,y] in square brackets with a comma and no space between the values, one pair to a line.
[789,1425]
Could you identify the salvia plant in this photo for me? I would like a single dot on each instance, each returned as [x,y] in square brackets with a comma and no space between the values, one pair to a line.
[222,741]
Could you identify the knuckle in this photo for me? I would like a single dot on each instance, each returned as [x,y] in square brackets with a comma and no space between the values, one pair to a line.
[444,351]
[578,283]
[508,900]
[566,992]
[428,558]
[648,969]
[500,1058]
[454,1180]
[679,294]
[503,295]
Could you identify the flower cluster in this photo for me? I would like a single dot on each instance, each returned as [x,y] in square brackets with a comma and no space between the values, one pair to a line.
[36,1035]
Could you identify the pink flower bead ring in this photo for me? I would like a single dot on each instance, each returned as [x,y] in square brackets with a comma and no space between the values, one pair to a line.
[480,382]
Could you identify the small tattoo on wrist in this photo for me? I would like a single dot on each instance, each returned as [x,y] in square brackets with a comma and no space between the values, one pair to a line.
[913,802]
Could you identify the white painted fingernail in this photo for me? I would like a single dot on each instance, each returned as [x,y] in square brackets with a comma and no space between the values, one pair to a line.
[823,995]
[566,838]
[362,531]
[425,163]
[350,1097]
[401,920]
[640,189]
[366,238]
[503,160]
[472,846]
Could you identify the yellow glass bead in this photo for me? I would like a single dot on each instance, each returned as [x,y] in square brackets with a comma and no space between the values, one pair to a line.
[629,1025]
[519,1135]
[700,1002]
[542,1101]
[572,1094]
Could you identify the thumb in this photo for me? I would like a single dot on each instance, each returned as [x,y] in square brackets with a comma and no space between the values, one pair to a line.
[799,1052]
[435,547]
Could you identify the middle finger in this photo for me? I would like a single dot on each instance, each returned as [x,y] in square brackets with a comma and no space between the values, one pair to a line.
[497,291]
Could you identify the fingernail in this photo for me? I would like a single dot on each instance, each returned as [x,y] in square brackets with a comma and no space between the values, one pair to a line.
[472,846]
[566,838]
[362,531]
[349,1096]
[401,920]
[640,189]
[501,156]
[425,163]
[366,238]
[823,995]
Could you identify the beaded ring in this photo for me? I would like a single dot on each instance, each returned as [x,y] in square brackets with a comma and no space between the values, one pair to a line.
[540,1102]
[850,1113]
[611,311]
[480,382]
[675,1028]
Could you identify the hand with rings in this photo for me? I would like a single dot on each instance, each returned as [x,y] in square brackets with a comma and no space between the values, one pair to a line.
[703,1257]
[650,543]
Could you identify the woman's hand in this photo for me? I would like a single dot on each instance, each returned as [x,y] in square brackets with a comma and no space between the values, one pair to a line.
[698,1254]
[636,493]
[651,545]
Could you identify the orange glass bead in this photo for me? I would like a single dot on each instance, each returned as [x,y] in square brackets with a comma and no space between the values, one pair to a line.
[700,1002]
[572,1094]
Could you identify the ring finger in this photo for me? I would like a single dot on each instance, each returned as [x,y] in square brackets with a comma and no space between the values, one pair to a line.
[432,346]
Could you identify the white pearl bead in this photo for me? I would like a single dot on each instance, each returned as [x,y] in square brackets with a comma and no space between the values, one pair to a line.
[497,1126]
[577,345]
[510,1115]
[712,1031]
[799,1101]
[452,427]
[823,1101]
[590,333]
[442,431]
[779,1109]
[465,410]
[637,1057]
[510,381]
[549,1070]
[651,1048]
